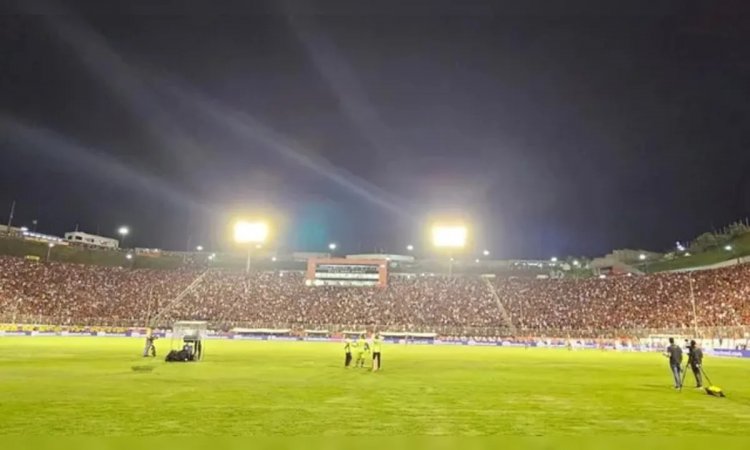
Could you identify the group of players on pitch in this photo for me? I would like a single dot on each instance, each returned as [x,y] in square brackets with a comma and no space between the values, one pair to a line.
[359,350]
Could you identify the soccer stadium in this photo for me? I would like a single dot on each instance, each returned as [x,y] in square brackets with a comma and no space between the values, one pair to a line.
[362,220]
[460,352]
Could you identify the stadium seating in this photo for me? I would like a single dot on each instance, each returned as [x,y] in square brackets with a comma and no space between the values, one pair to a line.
[86,295]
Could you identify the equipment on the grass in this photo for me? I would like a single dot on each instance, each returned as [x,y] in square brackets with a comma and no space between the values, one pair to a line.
[684,375]
[187,340]
[712,390]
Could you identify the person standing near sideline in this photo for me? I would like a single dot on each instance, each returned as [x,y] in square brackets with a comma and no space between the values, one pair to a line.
[695,361]
[377,343]
[674,353]
[347,352]
[150,348]
[361,347]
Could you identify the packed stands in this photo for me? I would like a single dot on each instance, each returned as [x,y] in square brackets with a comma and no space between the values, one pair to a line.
[78,295]
[660,301]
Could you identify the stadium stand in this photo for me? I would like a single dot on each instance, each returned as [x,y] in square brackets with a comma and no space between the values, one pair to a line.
[87,295]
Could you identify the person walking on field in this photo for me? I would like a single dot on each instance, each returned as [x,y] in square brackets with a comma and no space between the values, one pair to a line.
[348,353]
[377,343]
[695,361]
[674,353]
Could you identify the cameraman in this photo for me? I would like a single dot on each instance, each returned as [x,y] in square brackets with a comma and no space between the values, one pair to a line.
[695,361]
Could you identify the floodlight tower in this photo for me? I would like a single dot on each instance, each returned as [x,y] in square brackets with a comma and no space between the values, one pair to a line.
[252,234]
[123,231]
[449,237]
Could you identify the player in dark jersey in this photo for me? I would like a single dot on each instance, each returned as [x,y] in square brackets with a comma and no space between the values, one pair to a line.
[347,353]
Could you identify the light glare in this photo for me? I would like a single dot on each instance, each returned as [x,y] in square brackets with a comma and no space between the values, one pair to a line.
[449,236]
[250,232]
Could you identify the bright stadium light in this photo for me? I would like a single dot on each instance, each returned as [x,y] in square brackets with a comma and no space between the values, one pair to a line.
[486,252]
[553,259]
[250,232]
[410,247]
[124,232]
[199,248]
[332,246]
[273,258]
[452,236]
[642,256]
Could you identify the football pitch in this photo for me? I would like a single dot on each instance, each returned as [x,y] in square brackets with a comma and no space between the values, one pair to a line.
[87,386]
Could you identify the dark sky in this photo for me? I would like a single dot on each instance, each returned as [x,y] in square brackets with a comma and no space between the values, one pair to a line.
[555,131]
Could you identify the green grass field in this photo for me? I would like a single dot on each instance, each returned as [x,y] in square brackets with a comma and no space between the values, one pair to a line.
[86,386]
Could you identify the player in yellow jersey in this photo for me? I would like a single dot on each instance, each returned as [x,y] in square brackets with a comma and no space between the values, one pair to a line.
[362,349]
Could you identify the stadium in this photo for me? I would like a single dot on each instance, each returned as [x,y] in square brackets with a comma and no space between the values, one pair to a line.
[463,352]
[390,219]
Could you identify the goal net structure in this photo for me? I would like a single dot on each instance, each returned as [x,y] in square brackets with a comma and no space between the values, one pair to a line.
[191,334]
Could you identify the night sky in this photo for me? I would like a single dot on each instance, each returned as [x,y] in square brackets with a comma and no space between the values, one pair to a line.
[558,131]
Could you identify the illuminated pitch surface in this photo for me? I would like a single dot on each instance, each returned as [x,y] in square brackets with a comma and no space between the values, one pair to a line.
[87,386]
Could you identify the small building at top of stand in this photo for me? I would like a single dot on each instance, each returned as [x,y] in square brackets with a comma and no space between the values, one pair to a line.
[90,240]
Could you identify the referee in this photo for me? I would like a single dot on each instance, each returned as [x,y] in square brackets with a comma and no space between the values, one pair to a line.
[377,343]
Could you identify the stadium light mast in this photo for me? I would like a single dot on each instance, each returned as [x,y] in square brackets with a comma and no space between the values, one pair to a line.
[450,238]
[250,233]
[124,232]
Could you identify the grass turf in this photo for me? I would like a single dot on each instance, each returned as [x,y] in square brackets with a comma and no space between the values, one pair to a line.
[87,386]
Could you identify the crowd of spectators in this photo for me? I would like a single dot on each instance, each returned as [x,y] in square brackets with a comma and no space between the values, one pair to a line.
[283,300]
[73,294]
[65,293]
[710,298]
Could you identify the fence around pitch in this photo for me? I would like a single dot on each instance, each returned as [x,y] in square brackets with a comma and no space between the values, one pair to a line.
[714,332]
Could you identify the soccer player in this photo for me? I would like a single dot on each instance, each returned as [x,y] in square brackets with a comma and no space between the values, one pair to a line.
[377,342]
[347,352]
[362,348]
[674,353]
[695,361]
